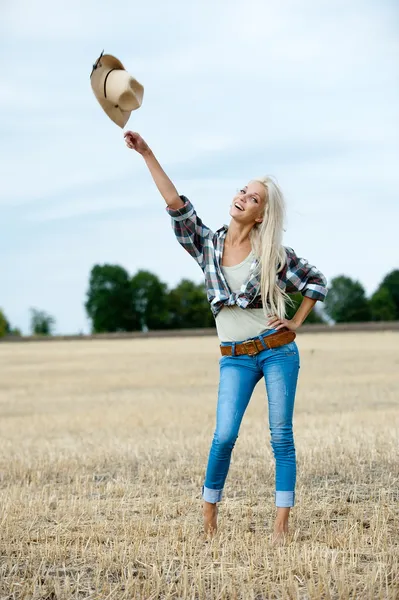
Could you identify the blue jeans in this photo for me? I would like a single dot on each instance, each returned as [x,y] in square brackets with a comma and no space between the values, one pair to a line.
[238,377]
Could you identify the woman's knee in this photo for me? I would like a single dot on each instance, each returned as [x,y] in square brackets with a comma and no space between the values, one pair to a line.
[282,436]
[224,439]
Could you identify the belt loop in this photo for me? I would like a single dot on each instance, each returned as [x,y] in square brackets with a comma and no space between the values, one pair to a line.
[233,349]
[262,341]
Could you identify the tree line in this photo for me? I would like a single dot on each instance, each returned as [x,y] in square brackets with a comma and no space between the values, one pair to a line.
[117,302]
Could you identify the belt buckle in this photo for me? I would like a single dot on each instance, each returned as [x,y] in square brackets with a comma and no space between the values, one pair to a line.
[248,344]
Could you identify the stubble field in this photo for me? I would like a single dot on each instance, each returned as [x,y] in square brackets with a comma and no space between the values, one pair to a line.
[104,447]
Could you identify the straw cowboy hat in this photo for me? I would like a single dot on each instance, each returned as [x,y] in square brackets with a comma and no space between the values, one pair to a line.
[117,91]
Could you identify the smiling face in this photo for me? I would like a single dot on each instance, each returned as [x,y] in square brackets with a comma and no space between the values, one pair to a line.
[249,204]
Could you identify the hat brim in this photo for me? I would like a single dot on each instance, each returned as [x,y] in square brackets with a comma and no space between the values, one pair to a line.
[118,116]
[107,60]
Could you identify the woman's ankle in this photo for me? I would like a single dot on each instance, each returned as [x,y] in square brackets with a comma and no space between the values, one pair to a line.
[283,514]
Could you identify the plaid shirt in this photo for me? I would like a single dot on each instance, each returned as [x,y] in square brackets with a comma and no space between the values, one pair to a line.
[206,248]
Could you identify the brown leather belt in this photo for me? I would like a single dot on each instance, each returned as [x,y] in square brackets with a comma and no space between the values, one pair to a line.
[254,346]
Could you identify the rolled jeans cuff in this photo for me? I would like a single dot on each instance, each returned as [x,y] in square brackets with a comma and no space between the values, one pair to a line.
[285,499]
[211,496]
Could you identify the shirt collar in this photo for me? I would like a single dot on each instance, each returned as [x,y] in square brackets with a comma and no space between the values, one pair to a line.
[223,229]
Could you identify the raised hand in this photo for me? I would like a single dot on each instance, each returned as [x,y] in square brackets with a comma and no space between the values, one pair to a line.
[135,142]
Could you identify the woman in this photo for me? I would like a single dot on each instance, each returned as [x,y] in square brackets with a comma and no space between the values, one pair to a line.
[248,276]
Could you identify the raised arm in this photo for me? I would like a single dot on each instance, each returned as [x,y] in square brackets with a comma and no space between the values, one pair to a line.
[188,227]
[162,181]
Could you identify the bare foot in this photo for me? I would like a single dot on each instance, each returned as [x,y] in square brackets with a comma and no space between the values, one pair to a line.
[280,533]
[210,517]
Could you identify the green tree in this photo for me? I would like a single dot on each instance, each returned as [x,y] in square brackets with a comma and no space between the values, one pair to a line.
[4,325]
[391,283]
[41,322]
[109,301]
[150,300]
[313,316]
[382,305]
[189,307]
[346,301]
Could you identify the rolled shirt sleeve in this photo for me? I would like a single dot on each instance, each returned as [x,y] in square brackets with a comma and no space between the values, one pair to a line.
[189,230]
[305,278]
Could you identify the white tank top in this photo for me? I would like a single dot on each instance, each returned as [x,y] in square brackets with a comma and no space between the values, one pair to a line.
[235,324]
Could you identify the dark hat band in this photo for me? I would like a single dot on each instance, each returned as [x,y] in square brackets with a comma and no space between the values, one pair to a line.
[105,80]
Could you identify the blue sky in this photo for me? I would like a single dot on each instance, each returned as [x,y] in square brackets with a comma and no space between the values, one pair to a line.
[306,91]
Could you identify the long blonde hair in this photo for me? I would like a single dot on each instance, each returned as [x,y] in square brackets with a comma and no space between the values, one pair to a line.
[266,240]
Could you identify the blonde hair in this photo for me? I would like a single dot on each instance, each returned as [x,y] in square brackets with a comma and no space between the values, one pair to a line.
[266,240]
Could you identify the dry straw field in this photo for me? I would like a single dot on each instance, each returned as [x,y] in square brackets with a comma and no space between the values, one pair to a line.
[103,452]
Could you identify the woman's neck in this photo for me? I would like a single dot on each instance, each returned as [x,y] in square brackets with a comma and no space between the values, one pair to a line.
[238,235]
